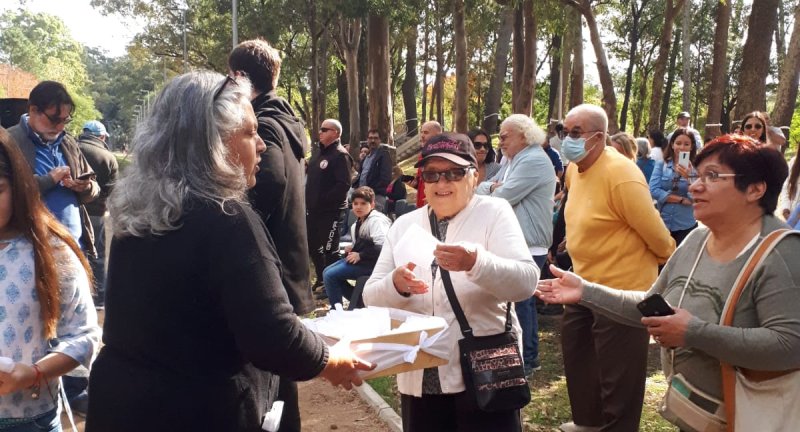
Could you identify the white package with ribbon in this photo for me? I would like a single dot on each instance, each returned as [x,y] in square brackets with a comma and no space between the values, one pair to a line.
[414,341]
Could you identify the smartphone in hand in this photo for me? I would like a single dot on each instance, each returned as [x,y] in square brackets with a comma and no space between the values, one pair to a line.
[683,159]
[85,176]
[655,305]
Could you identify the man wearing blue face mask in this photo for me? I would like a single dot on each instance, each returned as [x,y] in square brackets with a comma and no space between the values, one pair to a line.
[614,234]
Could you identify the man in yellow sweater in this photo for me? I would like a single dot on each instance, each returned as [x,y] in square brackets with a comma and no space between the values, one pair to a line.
[616,238]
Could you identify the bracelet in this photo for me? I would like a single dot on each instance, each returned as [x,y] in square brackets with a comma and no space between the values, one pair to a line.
[35,387]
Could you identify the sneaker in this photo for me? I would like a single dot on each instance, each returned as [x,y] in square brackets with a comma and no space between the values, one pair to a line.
[318,286]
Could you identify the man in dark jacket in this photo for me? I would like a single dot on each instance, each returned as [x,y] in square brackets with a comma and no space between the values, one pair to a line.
[376,170]
[65,179]
[92,143]
[278,193]
[327,183]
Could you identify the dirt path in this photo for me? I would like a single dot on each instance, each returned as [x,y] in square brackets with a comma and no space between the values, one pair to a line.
[325,408]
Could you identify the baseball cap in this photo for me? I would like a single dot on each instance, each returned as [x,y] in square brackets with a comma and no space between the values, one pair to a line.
[455,147]
[684,114]
[95,128]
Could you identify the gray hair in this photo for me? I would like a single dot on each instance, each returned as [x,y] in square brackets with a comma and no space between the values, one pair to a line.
[642,148]
[179,154]
[534,135]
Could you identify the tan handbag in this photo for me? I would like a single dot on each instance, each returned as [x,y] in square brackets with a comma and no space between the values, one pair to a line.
[769,400]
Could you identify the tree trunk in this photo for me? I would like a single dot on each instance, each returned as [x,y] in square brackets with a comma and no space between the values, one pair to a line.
[780,35]
[555,76]
[719,64]
[380,101]
[609,101]
[316,34]
[633,40]
[438,86]
[672,7]
[566,68]
[527,80]
[673,59]
[790,76]
[576,75]
[491,112]
[518,60]
[425,58]
[343,105]
[349,40]
[410,83]
[460,35]
[686,76]
[752,95]
[639,106]
[363,103]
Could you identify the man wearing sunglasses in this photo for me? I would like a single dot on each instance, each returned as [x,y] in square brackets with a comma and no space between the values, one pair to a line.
[56,160]
[682,121]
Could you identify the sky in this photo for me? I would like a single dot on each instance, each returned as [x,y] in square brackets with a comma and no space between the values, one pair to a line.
[87,25]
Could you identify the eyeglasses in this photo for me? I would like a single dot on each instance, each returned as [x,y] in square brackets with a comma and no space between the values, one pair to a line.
[577,132]
[753,126]
[481,145]
[324,129]
[228,79]
[710,177]
[56,120]
[451,175]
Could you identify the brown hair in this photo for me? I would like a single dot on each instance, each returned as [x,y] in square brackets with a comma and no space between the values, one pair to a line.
[260,61]
[364,192]
[764,123]
[625,141]
[31,218]
[794,174]
[669,153]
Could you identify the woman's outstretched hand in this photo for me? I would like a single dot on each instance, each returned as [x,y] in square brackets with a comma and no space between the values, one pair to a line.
[567,288]
[343,366]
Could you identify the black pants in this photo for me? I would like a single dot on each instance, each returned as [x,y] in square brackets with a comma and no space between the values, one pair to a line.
[287,392]
[323,239]
[679,235]
[454,413]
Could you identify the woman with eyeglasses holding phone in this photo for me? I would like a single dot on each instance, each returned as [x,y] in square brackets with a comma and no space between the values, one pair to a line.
[735,192]
[484,151]
[483,249]
[669,184]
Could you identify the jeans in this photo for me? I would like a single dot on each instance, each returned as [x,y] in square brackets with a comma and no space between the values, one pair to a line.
[526,313]
[50,422]
[98,264]
[336,276]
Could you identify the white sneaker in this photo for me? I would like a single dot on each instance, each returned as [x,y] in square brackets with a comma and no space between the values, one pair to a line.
[572,427]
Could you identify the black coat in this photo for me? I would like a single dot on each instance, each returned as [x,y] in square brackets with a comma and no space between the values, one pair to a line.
[328,179]
[193,319]
[380,172]
[278,195]
[105,166]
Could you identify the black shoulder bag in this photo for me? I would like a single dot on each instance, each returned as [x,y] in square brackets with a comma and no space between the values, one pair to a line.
[492,366]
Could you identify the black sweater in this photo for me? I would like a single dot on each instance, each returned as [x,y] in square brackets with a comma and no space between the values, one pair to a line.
[191,317]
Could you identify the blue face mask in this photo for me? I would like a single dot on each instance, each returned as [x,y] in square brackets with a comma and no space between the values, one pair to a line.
[574,149]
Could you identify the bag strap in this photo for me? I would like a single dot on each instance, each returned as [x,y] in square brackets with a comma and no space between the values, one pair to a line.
[756,259]
[466,330]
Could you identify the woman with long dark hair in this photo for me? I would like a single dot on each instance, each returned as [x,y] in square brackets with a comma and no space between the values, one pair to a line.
[45,287]
[790,193]
[484,151]
[755,125]
[669,185]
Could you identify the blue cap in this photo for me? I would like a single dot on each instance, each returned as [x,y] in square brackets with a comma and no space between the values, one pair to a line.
[95,128]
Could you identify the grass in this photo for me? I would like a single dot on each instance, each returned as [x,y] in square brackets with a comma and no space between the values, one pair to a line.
[549,405]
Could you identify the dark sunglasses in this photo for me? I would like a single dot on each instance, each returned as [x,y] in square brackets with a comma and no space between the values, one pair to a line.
[56,120]
[451,175]
[228,79]
[753,126]
[480,145]
[324,129]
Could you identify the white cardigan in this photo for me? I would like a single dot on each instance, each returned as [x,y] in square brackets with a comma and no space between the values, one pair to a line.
[786,202]
[504,272]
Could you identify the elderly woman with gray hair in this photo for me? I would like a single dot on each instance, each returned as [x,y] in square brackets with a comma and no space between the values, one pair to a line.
[196,314]
[528,183]
[643,159]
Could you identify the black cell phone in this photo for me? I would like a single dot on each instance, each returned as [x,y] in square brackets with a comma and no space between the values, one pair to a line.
[655,305]
[85,176]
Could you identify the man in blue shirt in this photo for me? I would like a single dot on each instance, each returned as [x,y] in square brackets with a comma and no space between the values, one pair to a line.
[66,181]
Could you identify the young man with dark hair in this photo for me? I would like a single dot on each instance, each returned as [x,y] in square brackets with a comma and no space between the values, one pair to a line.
[359,260]
[278,193]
